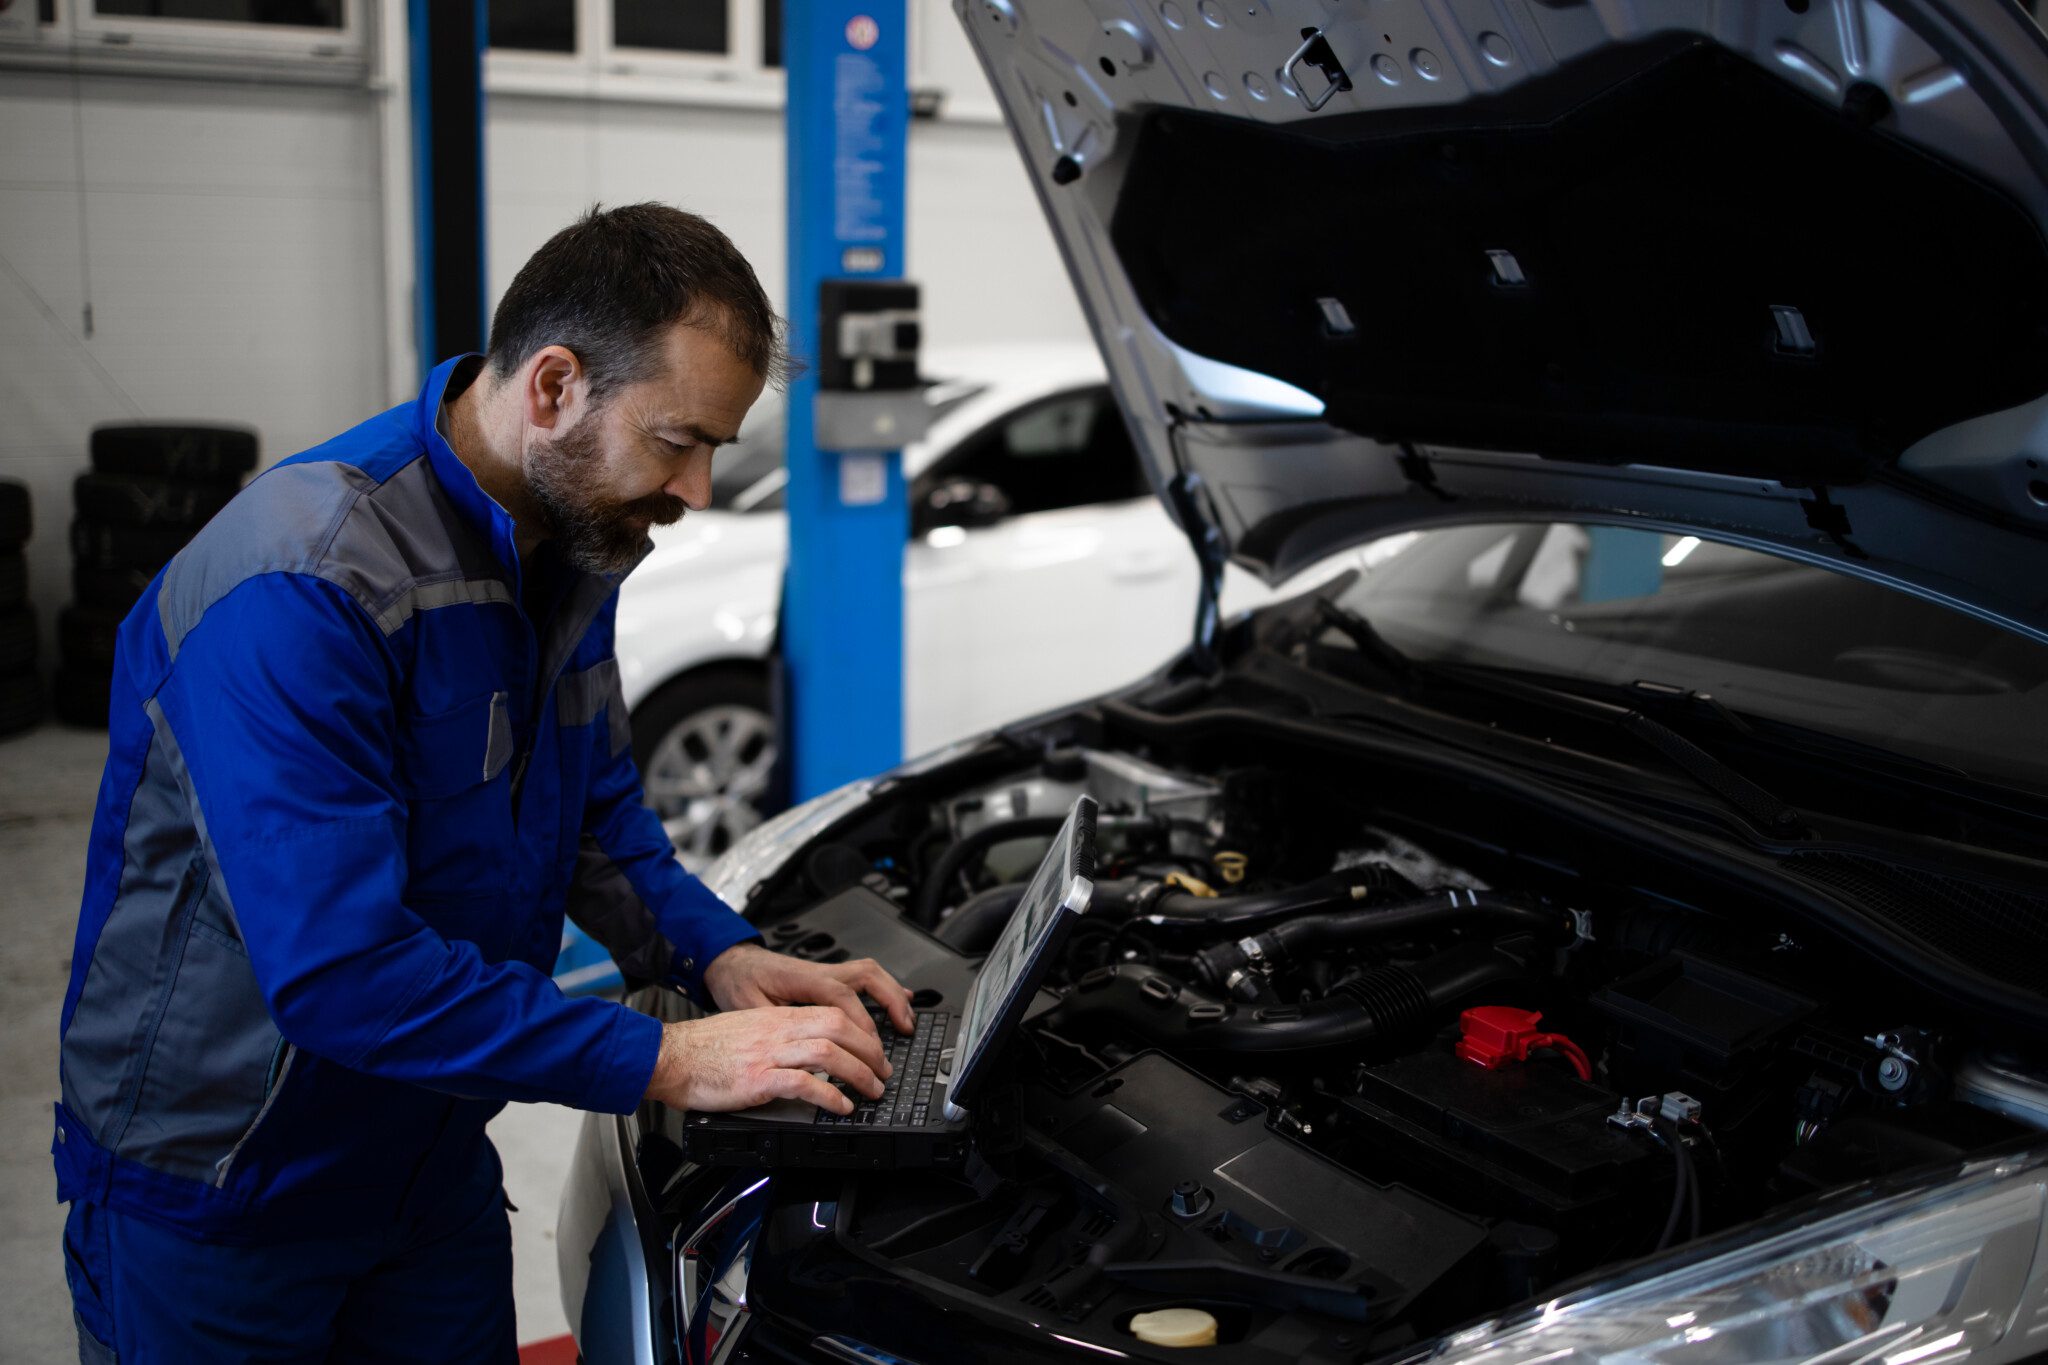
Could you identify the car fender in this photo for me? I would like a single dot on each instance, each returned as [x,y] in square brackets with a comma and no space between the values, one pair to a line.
[702,597]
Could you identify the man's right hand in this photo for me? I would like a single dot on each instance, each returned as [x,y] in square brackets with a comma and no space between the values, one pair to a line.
[742,1058]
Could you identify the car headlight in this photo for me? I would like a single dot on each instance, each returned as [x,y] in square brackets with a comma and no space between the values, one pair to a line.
[1947,1272]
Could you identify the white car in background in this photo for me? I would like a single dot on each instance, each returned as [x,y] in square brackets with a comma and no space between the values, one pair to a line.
[1026,498]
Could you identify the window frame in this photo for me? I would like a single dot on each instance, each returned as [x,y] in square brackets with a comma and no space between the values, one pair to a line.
[203,38]
[947,466]
[600,67]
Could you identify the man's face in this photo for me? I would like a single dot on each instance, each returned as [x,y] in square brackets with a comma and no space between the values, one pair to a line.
[605,474]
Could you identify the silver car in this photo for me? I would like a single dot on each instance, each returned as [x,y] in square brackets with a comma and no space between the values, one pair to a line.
[1612,925]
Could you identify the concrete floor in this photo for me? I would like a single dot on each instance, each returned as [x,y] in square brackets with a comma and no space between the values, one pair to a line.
[48,779]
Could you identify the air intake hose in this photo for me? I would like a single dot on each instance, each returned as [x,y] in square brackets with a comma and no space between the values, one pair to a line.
[1303,937]
[1163,907]
[1389,1006]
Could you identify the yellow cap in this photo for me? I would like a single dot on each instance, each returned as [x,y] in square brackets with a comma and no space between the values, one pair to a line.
[1175,1327]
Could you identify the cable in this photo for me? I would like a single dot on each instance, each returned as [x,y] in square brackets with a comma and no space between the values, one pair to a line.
[1567,1049]
[931,897]
[1679,1183]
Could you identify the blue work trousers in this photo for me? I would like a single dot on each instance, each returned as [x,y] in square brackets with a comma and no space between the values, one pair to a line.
[436,1286]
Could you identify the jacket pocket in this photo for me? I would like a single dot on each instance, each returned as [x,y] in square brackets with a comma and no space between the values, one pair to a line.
[445,754]
[213,1063]
[453,771]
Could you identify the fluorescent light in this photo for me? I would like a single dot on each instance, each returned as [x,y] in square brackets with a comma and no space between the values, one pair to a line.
[1675,556]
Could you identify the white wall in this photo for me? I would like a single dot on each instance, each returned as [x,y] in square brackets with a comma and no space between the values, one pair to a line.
[976,239]
[231,237]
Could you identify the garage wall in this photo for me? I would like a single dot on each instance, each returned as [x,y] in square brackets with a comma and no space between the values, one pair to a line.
[230,239]
[976,239]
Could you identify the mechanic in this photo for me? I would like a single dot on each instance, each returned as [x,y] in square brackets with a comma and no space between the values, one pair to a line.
[367,746]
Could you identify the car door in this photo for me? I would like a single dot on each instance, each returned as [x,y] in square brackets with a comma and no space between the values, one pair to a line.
[1040,570]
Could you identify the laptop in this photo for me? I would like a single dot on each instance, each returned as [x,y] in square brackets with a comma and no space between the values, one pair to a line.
[925,1111]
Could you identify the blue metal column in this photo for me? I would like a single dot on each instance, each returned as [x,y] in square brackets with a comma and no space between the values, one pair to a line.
[842,615]
[447,56]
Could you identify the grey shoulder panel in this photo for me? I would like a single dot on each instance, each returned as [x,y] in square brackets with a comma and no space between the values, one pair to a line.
[280,523]
[396,547]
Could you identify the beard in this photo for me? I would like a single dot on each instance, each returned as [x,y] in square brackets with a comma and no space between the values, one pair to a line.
[597,534]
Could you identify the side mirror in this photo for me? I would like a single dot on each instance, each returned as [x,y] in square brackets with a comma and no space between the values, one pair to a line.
[960,502]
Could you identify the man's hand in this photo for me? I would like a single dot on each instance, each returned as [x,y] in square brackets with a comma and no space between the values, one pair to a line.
[748,976]
[751,1056]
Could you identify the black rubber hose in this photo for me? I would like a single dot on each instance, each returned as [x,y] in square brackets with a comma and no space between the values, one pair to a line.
[1389,1006]
[931,897]
[1306,936]
[1169,908]
[974,926]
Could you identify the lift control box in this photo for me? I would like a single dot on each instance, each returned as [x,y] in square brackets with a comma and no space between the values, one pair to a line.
[870,396]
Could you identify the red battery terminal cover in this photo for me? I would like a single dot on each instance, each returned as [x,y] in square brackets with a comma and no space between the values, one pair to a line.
[1492,1036]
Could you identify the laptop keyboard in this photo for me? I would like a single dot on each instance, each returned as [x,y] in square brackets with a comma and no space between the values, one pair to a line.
[907,1094]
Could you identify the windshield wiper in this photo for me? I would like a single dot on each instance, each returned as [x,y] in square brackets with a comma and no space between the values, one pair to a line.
[1756,803]
[1363,634]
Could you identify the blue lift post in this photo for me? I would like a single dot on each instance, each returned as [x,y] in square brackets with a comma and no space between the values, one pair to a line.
[842,610]
[447,62]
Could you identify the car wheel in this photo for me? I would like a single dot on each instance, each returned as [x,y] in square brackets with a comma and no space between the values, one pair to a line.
[706,745]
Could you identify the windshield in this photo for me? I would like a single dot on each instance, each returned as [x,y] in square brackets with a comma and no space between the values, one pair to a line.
[1764,636]
[746,475]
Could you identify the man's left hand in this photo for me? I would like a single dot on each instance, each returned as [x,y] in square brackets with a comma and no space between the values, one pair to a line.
[747,976]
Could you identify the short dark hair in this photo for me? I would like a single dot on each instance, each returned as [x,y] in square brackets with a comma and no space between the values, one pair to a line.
[611,283]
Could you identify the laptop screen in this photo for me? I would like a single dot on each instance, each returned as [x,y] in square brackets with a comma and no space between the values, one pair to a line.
[1015,967]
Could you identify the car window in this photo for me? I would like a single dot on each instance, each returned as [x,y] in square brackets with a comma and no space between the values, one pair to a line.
[1070,450]
[758,452]
[1765,635]
[748,477]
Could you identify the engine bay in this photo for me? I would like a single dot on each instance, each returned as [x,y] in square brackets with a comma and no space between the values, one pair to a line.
[1344,1073]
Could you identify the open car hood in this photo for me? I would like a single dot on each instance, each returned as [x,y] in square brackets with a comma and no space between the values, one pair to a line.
[1770,272]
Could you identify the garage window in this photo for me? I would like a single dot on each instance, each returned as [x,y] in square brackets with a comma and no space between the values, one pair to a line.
[280,13]
[724,51]
[533,26]
[314,32]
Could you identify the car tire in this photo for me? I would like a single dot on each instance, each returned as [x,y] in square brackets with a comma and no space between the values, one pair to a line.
[705,746]
[128,500]
[21,702]
[86,636]
[17,639]
[81,696]
[108,589]
[16,523]
[205,454]
[13,578]
[98,545]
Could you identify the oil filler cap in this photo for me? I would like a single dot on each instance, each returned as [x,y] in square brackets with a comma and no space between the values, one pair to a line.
[1175,1327]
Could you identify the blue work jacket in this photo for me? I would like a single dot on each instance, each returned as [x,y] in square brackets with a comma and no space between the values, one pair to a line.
[352,786]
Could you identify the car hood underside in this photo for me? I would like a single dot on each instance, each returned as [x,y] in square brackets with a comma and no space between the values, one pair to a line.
[1773,274]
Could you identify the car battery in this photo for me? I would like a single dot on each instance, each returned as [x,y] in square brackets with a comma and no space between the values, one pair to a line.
[1529,1140]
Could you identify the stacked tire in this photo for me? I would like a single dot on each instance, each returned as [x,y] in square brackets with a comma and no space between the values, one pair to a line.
[150,490]
[21,688]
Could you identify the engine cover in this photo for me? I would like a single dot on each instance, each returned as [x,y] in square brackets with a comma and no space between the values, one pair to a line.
[1235,1191]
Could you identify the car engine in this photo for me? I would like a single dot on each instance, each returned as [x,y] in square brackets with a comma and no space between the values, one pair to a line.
[1316,1059]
